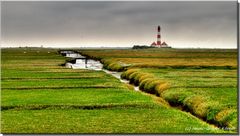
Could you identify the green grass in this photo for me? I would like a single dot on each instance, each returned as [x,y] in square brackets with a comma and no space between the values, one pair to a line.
[77,82]
[161,53]
[204,93]
[202,81]
[41,96]
[219,85]
[130,120]
[72,96]
[119,60]
[50,73]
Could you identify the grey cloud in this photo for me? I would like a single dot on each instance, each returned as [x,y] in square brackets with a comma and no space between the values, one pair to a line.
[83,22]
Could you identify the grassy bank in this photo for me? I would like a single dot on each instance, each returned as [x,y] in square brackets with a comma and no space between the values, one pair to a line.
[208,96]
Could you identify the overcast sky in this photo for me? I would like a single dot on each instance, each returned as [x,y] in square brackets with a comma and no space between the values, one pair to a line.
[119,24]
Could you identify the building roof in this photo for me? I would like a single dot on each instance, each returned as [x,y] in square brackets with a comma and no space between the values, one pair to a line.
[164,43]
[153,44]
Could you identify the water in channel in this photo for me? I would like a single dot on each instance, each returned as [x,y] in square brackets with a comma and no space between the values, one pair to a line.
[81,62]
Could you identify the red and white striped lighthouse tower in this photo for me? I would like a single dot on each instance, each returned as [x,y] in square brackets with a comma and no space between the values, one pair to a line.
[159,44]
[158,37]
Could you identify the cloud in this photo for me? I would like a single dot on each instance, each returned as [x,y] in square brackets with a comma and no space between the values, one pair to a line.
[114,23]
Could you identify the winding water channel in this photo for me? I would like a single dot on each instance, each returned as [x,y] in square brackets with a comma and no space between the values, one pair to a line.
[81,62]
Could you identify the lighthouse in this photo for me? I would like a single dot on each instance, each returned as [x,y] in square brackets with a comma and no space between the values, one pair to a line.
[159,44]
[158,37]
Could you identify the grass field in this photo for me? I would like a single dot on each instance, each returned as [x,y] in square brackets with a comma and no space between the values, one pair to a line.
[201,81]
[38,95]
[206,93]
[159,58]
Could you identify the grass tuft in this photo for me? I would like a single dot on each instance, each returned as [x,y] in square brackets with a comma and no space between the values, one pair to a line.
[160,88]
[126,74]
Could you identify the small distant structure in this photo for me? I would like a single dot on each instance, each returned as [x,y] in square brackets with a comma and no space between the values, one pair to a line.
[64,52]
[164,44]
[141,47]
[159,44]
[154,44]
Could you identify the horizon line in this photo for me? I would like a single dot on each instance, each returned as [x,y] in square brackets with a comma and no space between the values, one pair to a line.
[112,47]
